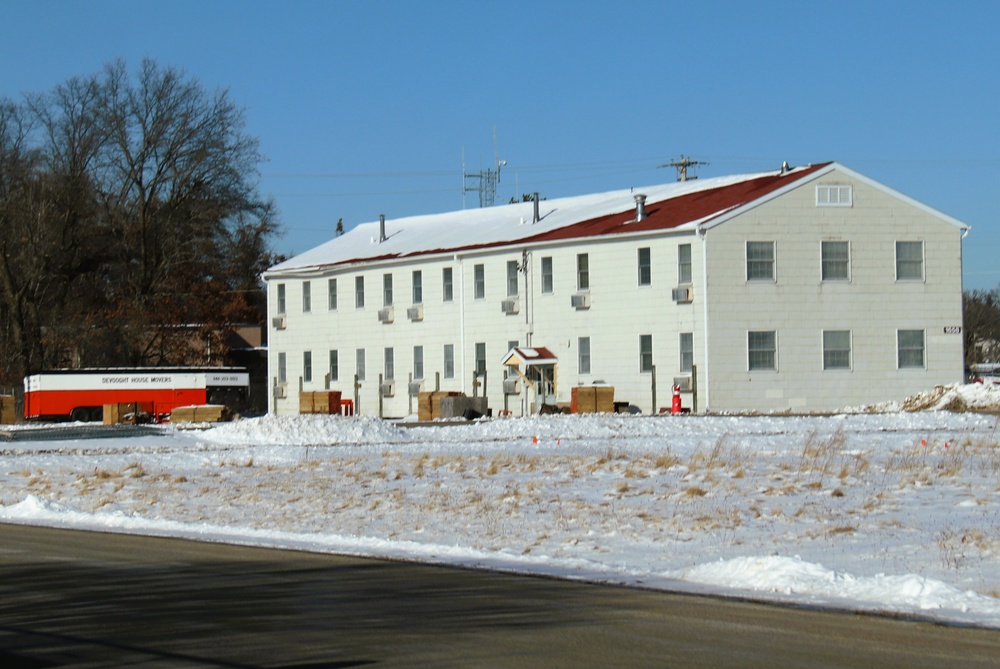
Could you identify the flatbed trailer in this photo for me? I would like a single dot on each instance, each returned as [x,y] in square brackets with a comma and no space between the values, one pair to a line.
[81,394]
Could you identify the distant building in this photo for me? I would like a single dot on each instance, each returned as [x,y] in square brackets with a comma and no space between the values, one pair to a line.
[804,289]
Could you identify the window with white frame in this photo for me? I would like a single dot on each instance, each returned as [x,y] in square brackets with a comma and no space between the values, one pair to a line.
[909,261]
[389,371]
[547,275]
[687,352]
[334,370]
[447,285]
[387,290]
[760,261]
[418,362]
[683,263]
[582,271]
[479,282]
[282,368]
[512,278]
[836,261]
[762,350]
[583,354]
[910,349]
[836,349]
[644,266]
[332,294]
[306,297]
[359,292]
[418,287]
[834,195]
[646,353]
[307,366]
[359,363]
[449,361]
[281,298]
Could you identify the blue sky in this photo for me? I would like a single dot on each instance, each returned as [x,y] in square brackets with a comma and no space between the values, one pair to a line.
[365,108]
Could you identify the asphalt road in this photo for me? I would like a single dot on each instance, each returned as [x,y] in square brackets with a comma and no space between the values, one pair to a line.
[77,599]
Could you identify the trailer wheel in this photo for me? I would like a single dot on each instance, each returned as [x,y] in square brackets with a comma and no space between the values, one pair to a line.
[97,414]
[80,414]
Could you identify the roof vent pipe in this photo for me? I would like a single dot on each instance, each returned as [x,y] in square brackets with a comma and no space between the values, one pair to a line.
[381,228]
[535,218]
[640,206]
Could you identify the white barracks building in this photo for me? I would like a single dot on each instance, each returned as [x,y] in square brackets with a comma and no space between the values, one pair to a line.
[805,289]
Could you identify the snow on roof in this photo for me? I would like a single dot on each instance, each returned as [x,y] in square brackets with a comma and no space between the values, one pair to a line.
[668,206]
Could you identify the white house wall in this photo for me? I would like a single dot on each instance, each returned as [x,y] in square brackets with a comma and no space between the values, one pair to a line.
[798,305]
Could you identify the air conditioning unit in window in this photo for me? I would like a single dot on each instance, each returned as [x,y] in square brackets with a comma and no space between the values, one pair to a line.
[415,387]
[682,294]
[512,386]
[580,301]
[280,392]
[683,382]
[279,323]
[510,305]
[416,312]
[386,315]
[388,389]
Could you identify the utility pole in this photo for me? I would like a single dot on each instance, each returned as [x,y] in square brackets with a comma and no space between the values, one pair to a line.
[681,165]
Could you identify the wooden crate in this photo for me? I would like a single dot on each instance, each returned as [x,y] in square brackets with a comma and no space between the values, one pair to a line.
[320,401]
[8,414]
[429,403]
[593,399]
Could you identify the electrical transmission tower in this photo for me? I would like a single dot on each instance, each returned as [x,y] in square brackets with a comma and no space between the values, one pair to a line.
[485,181]
[682,164]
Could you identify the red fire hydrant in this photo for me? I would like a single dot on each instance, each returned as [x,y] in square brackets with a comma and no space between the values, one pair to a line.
[675,404]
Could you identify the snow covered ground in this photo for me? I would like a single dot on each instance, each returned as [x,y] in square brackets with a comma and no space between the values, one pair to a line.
[889,512]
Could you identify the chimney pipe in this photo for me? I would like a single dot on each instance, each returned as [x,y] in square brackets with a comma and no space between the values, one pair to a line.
[381,228]
[640,206]
[535,218]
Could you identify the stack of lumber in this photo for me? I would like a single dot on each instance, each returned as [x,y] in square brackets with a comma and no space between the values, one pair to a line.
[429,403]
[131,413]
[593,399]
[202,413]
[320,401]
[8,415]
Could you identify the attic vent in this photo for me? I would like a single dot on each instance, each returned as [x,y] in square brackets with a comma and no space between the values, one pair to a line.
[834,195]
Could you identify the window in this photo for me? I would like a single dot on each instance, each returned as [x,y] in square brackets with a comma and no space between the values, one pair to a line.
[910,349]
[359,292]
[281,298]
[479,281]
[684,263]
[909,261]
[282,368]
[834,195]
[418,287]
[449,361]
[762,350]
[547,276]
[583,354]
[836,349]
[480,358]
[387,290]
[307,367]
[645,353]
[334,366]
[359,364]
[511,278]
[332,295]
[418,362]
[306,297]
[390,364]
[582,271]
[687,352]
[836,261]
[760,261]
[447,285]
[645,270]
